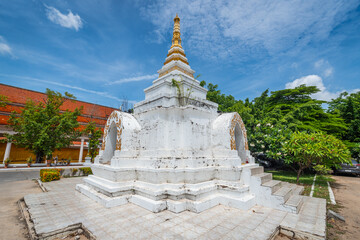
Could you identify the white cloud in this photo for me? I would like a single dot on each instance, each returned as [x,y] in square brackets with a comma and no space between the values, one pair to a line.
[69,21]
[328,72]
[319,63]
[315,80]
[240,27]
[4,47]
[134,79]
[324,66]
[103,94]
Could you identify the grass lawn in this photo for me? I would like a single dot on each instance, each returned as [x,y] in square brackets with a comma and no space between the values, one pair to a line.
[306,180]
[321,187]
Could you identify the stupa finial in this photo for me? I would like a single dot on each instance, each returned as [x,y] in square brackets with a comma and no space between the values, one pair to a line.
[176,40]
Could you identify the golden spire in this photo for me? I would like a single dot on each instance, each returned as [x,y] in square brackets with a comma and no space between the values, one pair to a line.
[176,40]
[176,52]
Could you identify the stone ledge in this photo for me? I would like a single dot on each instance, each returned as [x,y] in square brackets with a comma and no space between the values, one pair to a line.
[245,202]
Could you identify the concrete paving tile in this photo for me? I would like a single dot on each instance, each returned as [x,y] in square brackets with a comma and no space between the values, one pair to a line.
[228,224]
[210,224]
[143,235]
[256,235]
[168,224]
[177,220]
[226,237]
[236,234]
[188,234]
[168,235]
[157,229]
[64,206]
[221,230]
[200,230]
[212,235]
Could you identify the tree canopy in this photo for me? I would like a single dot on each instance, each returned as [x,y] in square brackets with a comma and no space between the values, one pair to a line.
[3,100]
[42,127]
[272,118]
[314,149]
[94,135]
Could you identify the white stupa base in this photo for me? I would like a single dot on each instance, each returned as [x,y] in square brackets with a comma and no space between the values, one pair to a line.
[244,202]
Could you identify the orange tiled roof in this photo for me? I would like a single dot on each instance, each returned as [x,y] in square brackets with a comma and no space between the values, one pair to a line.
[18,97]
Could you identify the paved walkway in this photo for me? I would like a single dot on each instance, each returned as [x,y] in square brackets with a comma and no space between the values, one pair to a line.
[63,206]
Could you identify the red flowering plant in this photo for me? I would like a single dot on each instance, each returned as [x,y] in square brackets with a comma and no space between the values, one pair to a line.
[48,175]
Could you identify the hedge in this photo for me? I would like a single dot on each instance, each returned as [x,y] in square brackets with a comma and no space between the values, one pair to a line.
[48,175]
[86,171]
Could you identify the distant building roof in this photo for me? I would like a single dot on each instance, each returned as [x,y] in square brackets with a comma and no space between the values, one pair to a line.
[17,98]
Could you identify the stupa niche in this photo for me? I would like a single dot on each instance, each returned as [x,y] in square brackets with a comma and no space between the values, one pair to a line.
[177,152]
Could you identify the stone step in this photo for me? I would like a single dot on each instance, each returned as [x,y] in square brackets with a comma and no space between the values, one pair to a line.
[264,177]
[298,190]
[285,192]
[273,184]
[295,201]
[257,170]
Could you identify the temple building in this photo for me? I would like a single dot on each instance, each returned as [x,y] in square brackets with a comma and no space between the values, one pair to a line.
[17,98]
[177,153]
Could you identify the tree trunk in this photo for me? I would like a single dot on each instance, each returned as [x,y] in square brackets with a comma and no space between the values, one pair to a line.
[39,157]
[298,175]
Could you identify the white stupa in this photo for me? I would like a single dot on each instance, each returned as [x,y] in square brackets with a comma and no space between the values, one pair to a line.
[176,152]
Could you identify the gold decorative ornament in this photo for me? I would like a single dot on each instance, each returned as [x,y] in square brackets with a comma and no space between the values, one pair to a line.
[114,117]
[176,50]
[237,120]
[176,40]
[175,58]
[176,68]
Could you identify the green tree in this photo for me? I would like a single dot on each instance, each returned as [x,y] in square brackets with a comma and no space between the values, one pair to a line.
[225,101]
[3,100]
[305,150]
[94,135]
[42,127]
[271,118]
[348,107]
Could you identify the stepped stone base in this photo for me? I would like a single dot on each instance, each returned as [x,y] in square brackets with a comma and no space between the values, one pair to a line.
[244,187]
[200,194]
[243,203]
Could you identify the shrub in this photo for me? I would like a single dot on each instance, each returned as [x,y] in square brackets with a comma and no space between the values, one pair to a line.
[29,160]
[74,171]
[48,175]
[321,169]
[7,161]
[86,171]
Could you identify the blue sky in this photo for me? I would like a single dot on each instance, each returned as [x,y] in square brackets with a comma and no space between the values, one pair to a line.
[106,51]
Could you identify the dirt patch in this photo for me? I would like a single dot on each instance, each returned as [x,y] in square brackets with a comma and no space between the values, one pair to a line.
[11,222]
[73,237]
[347,196]
[283,237]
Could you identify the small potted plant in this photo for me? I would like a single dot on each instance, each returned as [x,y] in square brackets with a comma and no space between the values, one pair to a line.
[6,162]
[48,160]
[29,161]
[68,161]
